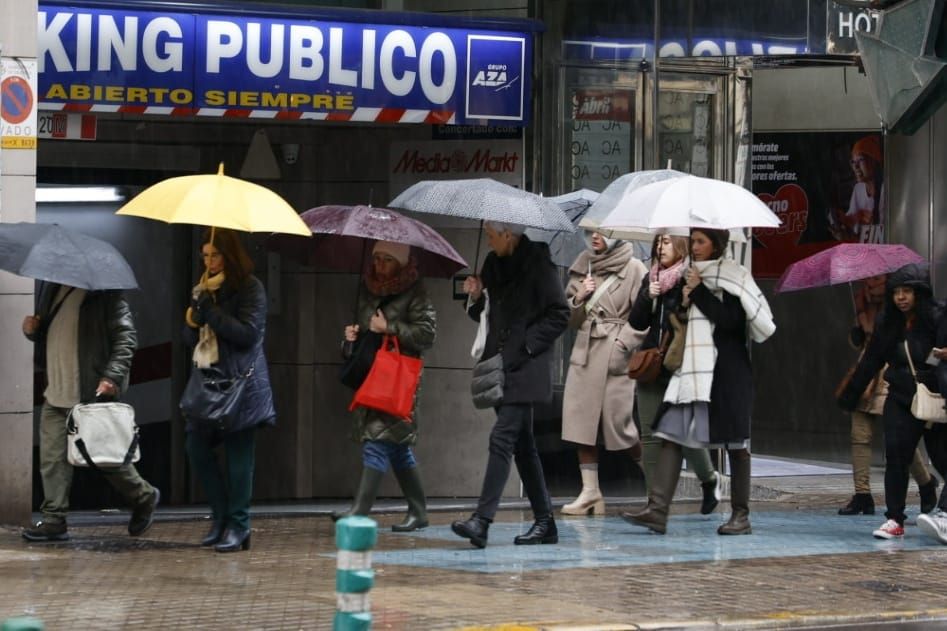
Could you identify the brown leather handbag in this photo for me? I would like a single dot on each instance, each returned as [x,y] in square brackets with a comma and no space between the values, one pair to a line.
[644,365]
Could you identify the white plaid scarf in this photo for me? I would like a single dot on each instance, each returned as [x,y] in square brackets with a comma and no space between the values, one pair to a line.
[693,380]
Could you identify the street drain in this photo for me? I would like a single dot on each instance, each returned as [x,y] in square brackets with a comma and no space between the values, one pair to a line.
[882,586]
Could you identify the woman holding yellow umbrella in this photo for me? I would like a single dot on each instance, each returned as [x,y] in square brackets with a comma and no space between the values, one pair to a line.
[228,395]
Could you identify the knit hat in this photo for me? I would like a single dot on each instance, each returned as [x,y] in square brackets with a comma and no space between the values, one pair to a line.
[869,146]
[397,251]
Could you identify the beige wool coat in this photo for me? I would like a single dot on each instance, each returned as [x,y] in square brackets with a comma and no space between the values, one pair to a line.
[599,396]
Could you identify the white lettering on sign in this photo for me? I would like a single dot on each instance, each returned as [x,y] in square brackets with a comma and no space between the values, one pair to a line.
[161,43]
[849,22]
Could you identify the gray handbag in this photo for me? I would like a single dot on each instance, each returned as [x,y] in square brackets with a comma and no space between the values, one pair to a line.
[102,435]
[487,383]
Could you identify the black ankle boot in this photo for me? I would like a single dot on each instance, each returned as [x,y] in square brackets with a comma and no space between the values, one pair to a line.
[711,496]
[234,539]
[860,504]
[543,530]
[928,493]
[214,534]
[474,529]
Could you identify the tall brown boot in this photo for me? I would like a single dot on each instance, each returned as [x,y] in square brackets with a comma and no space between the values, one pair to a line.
[667,471]
[739,522]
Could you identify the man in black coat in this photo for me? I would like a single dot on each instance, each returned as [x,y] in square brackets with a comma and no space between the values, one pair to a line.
[527,312]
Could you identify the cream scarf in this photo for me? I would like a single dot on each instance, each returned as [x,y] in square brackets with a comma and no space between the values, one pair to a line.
[694,379]
[205,352]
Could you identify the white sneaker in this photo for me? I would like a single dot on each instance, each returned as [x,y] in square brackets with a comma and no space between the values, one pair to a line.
[934,525]
[889,530]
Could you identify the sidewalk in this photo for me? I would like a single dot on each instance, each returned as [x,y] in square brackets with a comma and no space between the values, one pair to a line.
[803,567]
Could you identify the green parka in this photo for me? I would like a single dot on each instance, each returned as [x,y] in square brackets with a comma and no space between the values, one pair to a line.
[411,317]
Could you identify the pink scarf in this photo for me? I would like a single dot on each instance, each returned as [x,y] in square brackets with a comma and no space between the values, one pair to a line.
[667,277]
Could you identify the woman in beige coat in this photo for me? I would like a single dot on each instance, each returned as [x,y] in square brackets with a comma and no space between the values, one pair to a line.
[603,283]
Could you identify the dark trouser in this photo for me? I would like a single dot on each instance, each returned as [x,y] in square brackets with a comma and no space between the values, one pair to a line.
[902,434]
[512,437]
[57,472]
[228,495]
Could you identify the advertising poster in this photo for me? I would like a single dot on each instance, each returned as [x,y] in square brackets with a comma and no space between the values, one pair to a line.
[826,187]
[602,145]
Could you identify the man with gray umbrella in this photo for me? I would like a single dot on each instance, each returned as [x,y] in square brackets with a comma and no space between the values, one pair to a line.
[526,311]
[87,339]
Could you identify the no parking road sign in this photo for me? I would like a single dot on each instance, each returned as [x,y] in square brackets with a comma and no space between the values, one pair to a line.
[17,104]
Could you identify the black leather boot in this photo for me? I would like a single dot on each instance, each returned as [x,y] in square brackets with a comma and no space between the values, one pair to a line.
[234,539]
[410,481]
[543,530]
[365,496]
[474,529]
[739,522]
[711,495]
[860,504]
[213,535]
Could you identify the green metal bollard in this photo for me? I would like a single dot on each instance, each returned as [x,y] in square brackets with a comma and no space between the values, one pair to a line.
[354,577]
[22,624]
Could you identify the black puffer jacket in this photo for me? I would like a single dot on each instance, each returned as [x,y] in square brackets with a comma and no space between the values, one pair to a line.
[528,311]
[887,343]
[238,318]
[107,338]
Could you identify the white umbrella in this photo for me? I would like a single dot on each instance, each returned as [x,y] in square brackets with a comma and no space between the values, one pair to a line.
[618,191]
[691,202]
[484,199]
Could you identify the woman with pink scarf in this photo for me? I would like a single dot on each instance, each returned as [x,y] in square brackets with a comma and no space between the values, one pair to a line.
[657,301]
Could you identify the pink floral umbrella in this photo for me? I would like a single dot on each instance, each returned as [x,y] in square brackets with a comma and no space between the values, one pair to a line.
[845,263]
[343,237]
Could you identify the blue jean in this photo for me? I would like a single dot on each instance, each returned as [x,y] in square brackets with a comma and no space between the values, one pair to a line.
[378,454]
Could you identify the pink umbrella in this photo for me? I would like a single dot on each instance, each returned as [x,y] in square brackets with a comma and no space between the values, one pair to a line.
[343,236]
[845,263]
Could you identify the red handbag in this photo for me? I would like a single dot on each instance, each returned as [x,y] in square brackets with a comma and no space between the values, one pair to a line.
[391,383]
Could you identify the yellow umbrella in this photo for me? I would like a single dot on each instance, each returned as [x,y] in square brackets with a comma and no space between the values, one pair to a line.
[219,201]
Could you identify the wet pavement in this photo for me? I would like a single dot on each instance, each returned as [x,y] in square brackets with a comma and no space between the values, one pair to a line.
[803,567]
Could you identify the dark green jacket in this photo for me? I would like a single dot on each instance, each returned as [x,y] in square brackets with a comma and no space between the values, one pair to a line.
[107,338]
[412,318]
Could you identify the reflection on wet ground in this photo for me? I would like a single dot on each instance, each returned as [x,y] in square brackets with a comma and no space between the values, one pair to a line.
[801,566]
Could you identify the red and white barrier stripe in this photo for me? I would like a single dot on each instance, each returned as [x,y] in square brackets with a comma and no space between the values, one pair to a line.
[360,114]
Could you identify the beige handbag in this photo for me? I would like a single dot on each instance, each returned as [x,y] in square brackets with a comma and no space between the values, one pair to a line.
[926,405]
[102,435]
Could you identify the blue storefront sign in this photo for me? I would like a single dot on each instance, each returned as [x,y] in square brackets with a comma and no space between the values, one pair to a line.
[114,59]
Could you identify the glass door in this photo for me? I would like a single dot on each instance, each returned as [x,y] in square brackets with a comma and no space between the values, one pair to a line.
[691,124]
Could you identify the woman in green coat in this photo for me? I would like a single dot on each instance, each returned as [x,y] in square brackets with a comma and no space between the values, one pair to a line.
[393,302]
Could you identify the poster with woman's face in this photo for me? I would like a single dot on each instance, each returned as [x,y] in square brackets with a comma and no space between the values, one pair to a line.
[826,187]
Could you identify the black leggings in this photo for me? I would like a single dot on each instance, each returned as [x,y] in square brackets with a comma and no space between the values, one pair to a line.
[902,434]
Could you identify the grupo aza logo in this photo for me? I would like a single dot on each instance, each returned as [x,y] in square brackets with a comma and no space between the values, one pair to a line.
[495,76]
[495,67]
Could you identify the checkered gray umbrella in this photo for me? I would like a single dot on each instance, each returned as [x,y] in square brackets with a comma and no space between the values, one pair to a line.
[484,199]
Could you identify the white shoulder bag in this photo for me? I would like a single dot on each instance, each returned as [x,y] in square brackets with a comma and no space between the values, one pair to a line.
[926,405]
[102,435]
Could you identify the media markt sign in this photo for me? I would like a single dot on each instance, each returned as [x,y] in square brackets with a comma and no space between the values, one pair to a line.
[17,103]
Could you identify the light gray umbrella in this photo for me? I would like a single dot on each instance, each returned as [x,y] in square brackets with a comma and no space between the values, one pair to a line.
[52,253]
[565,247]
[484,199]
[616,193]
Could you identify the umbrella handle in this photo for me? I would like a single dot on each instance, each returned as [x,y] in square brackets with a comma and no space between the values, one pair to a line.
[476,265]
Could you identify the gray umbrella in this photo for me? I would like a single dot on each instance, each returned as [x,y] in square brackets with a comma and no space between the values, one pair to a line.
[484,199]
[565,247]
[52,253]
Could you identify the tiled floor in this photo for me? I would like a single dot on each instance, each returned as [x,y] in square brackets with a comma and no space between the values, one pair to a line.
[803,564]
